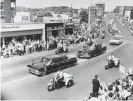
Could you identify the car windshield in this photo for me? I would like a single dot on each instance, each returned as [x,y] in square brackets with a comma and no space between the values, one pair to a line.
[92,47]
[117,38]
[45,59]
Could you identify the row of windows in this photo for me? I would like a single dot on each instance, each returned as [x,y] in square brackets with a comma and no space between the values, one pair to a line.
[13,5]
[1,5]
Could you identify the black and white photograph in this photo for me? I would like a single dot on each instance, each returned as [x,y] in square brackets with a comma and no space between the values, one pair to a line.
[71,50]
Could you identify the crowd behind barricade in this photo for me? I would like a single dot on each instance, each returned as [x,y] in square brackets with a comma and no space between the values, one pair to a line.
[120,89]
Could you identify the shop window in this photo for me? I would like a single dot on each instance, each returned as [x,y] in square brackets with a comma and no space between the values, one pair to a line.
[2,19]
[13,4]
[25,18]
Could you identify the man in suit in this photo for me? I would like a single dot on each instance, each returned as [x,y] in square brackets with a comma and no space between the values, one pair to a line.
[96,85]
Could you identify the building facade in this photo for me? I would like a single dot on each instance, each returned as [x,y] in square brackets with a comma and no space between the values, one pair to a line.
[23,17]
[8,11]
[42,31]
[100,8]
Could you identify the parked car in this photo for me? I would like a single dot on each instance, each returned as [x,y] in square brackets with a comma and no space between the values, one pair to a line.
[94,50]
[117,40]
[50,64]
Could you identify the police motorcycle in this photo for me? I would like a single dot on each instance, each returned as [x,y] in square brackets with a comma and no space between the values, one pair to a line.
[110,63]
[61,50]
[66,80]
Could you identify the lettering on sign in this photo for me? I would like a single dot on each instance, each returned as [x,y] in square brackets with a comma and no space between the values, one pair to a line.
[9,27]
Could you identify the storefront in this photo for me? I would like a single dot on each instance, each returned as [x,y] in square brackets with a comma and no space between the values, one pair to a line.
[69,28]
[54,30]
[9,31]
[33,31]
[76,26]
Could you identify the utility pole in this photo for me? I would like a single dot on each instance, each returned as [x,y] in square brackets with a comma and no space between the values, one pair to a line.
[71,10]
[89,21]
[54,3]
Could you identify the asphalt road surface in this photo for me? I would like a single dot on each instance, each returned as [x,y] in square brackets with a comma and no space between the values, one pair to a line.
[18,84]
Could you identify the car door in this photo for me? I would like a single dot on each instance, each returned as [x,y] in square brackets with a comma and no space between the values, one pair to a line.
[55,64]
[62,62]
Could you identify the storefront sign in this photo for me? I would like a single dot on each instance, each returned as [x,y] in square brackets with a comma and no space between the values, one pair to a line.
[9,27]
[20,27]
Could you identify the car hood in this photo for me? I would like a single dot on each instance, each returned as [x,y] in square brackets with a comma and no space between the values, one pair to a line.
[39,65]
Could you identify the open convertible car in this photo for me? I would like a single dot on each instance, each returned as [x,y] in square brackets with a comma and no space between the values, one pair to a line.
[50,64]
[93,51]
[117,40]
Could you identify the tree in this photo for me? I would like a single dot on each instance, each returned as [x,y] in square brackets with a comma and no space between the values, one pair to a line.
[83,16]
[131,15]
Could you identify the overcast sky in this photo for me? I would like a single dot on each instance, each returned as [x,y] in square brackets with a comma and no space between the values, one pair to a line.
[109,4]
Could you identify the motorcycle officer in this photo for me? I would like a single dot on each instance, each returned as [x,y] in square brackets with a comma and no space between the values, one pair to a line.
[60,44]
[58,78]
[65,46]
[111,57]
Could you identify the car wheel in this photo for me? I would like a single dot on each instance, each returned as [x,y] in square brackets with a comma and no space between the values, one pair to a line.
[106,67]
[118,64]
[44,72]
[70,83]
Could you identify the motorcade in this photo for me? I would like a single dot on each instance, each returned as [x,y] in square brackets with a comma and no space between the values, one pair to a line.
[115,62]
[66,81]
[48,64]
[116,40]
[94,50]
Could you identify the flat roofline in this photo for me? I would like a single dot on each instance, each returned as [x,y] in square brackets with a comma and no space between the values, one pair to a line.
[29,23]
[99,3]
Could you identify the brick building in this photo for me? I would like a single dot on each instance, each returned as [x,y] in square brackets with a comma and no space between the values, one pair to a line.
[8,11]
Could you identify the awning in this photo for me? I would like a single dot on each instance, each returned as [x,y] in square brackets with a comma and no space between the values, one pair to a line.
[20,33]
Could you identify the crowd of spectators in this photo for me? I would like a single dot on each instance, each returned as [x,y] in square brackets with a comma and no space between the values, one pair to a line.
[92,32]
[21,47]
[120,89]
[27,46]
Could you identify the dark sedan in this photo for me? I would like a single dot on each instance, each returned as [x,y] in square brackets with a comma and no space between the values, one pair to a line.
[50,63]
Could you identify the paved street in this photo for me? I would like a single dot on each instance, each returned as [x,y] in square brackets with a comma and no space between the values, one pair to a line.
[17,83]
